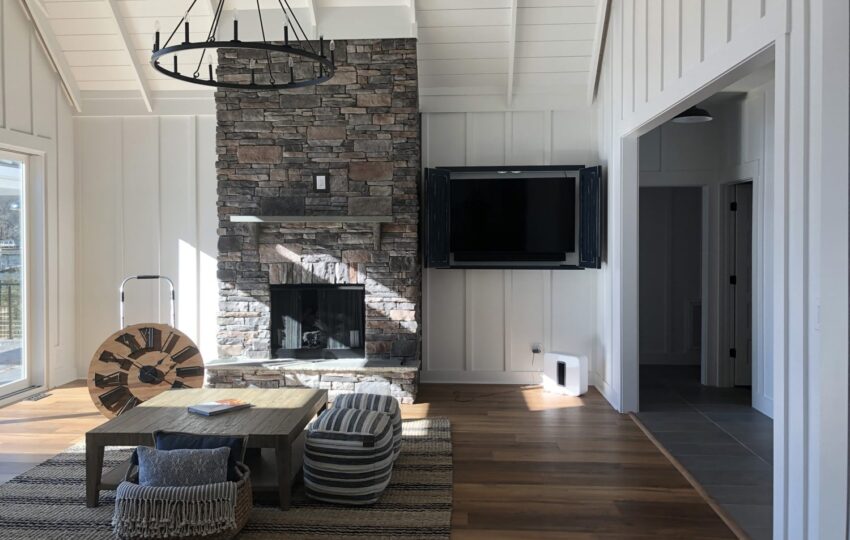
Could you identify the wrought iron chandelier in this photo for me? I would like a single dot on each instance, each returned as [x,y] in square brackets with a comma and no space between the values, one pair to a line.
[299,47]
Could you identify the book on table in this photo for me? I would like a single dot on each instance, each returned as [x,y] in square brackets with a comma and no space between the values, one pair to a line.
[221,406]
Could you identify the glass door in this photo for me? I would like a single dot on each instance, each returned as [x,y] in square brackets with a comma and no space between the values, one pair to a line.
[15,369]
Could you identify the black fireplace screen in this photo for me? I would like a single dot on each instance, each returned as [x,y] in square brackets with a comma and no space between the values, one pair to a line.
[317,318]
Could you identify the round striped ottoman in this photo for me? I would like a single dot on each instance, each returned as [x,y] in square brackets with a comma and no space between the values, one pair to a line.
[375,402]
[348,456]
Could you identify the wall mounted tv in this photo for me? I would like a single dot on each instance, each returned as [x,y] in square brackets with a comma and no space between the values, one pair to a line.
[506,218]
[517,217]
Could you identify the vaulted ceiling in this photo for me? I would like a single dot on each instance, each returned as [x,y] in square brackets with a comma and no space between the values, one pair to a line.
[473,54]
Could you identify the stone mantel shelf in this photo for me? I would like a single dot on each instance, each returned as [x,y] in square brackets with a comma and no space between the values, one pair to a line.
[374,220]
[311,219]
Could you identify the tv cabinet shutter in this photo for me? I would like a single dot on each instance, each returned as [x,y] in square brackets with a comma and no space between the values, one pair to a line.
[591,217]
[436,237]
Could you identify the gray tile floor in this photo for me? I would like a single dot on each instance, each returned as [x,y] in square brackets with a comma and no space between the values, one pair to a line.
[715,434]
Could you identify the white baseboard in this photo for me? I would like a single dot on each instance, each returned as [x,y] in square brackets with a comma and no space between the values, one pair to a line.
[606,390]
[763,404]
[22,395]
[480,377]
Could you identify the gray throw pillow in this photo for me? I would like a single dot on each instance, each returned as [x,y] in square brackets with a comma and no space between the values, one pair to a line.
[162,468]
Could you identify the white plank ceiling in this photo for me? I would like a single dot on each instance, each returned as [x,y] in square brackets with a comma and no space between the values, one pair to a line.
[473,54]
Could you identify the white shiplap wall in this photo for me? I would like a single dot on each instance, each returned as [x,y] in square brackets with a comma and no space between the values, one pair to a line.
[665,48]
[479,325]
[35,118]
[146,200]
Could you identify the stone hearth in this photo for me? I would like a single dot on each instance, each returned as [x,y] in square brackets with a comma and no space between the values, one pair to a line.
[361,130]
[337,377]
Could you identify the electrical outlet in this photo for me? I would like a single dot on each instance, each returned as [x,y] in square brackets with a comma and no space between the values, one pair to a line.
[536,348]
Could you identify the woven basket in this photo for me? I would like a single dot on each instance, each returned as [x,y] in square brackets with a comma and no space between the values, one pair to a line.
[244,503]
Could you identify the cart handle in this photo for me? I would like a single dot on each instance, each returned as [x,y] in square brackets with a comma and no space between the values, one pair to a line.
[144,276]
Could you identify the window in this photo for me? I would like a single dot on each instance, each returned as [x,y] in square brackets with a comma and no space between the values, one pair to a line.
[15,370]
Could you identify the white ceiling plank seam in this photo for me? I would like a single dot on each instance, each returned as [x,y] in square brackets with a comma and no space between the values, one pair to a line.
[314,19]
[213,5]
[54,52]
[511,55]
[144,88]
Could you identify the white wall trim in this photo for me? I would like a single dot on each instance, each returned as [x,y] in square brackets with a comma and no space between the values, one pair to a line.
[480,377]
[54,53]
[602,11]
[607,391]
[120,104]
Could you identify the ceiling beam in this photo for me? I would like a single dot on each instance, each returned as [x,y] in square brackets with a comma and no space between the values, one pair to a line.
[124,34]
[213,5]
[602,14]
[509,97]
[314,21]
[54,52]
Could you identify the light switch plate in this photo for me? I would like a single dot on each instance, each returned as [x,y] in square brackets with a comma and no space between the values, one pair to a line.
[320,182]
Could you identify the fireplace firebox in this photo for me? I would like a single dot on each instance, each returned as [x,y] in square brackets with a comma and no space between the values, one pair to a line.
[318,321]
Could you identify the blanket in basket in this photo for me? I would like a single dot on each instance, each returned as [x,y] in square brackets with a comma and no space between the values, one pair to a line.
[173,512]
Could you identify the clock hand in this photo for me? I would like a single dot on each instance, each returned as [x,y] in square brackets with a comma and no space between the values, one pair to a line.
[161,360]
[161,378]
[128,359]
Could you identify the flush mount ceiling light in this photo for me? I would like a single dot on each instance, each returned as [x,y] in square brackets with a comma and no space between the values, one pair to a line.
[298,49]
[694,115]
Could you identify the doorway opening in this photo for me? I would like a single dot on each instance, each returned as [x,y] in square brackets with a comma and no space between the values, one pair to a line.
[705,373]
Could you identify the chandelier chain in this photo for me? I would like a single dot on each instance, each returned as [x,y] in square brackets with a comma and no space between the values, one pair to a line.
[263,32]
[210,37]
[303,33]
[183,18]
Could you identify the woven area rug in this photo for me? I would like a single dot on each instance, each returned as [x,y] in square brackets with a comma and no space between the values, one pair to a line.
[48,502]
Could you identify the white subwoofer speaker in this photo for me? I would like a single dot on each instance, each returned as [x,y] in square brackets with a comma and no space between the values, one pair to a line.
[565,374]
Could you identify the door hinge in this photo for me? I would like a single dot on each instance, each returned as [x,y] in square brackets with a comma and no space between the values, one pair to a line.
[733,353]
[733,206]
[733,280]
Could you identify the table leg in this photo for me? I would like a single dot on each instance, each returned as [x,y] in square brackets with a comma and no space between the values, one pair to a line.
[283,453]
[94,470]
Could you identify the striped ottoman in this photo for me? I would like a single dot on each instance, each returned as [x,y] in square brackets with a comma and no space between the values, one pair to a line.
[375,402]
[348,456]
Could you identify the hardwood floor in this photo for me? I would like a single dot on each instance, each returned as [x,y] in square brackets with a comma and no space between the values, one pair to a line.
[526,464]
[32,431]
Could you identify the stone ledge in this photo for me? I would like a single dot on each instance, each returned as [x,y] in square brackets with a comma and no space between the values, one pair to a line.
[401,382]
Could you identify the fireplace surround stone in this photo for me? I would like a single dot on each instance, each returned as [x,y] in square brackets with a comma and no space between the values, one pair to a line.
[336,376]
[361,130]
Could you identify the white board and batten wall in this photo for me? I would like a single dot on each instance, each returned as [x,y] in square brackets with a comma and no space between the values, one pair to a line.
[36,119]
[479,325]
[146,201]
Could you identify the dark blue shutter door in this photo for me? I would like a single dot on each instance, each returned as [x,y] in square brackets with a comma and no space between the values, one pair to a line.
[436,237]
[591,217]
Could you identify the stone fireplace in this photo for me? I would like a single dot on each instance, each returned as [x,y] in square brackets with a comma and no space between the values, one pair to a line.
[359,130]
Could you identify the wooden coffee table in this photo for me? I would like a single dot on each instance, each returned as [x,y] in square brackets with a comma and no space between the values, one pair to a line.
[276,422]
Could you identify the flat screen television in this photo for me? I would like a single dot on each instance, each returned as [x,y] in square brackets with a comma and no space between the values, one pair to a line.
[512,219]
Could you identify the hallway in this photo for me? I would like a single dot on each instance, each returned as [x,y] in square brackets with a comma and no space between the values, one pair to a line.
[724,443]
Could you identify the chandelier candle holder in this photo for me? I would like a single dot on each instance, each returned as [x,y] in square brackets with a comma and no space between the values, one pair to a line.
[295,45]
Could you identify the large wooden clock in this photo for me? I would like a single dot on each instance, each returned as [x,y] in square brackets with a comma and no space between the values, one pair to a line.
[140,361]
